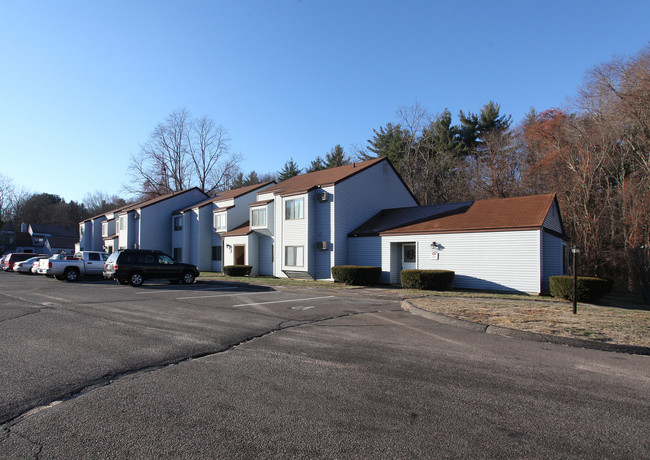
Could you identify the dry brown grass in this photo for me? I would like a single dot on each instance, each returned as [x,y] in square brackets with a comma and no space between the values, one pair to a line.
[593,322]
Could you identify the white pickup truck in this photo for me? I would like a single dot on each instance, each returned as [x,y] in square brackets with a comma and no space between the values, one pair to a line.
[84,263]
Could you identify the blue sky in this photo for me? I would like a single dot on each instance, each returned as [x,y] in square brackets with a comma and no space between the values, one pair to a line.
[84,83]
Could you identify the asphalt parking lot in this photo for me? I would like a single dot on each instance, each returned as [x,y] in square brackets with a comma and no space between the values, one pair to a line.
[215,370]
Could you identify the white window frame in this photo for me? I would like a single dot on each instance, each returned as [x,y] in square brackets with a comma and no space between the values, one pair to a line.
[255,217]
[105,229]
[220,221]
[294,256]
[294,209]
[122,223]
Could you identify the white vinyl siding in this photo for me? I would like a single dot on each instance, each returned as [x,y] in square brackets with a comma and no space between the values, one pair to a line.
[293,232]
[501,261]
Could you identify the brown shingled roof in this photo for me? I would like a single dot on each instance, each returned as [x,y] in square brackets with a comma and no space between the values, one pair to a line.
[144,204]
[305,182]
[243,230]
[485,215]
[227,195]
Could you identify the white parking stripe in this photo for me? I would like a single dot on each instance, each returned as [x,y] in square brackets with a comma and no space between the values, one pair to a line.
[226,295]
[282,301]
[166,289]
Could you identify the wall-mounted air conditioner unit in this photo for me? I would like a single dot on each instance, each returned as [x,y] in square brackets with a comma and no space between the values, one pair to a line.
[323,197]
[322,245]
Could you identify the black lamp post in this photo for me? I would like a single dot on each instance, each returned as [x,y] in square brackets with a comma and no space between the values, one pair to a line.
[575,251]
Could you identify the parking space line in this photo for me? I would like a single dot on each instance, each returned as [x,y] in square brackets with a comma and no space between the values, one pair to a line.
[51,297]
[282,301]
[166,289]
[226,295]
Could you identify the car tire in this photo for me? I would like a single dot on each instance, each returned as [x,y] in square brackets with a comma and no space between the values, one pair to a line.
[71,274]
[136,279]
[188,278]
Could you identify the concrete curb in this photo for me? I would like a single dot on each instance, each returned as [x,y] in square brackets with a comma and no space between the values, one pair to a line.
[524,335]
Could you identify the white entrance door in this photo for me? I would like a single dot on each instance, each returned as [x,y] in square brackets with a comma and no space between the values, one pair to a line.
[409,256]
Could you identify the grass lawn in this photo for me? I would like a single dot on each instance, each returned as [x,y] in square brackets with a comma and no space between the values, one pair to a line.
[620,320]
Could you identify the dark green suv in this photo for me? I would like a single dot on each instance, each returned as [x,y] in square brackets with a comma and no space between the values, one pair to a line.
[134,266]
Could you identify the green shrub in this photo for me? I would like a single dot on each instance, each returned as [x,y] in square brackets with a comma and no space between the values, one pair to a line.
[237,270]
[588,288]
[356,275]
[429,280]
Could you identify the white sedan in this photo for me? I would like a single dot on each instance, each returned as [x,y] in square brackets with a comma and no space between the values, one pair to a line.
[25,266]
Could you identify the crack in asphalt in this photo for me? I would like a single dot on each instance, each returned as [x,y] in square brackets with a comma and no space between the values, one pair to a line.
[106,380]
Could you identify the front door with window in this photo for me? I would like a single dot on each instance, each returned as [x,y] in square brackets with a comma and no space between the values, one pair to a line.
[409,256]
[240,255]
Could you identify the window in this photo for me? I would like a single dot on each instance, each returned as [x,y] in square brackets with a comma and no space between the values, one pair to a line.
[293,209]
[104,229]
[293,256]
[220,222]
[178,223]
[216,253]
[93,256]
[123,223]
[81,230]
[178,255]
[259,217]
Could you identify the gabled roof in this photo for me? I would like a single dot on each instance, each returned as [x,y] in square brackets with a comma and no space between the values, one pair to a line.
[227,195]
[388,219]
[54,230]
[158,199]
[243,230]
[62,242]
[304,182]
[23,239]
[525,212]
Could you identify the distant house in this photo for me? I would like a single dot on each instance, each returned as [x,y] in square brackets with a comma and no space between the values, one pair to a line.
[511,244]
[59,245]
[197,228]
[143,225]
[44,234]
[299,227]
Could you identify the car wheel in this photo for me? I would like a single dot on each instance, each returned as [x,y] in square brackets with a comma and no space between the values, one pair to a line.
[136,279]
[188,278]
[71,274]
[59,277]
[122,281]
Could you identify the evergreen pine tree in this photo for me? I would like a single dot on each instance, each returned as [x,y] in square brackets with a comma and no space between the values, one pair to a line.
[289,170]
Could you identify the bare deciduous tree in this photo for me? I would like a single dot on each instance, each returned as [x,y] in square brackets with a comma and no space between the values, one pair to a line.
[214,164]
[182,153]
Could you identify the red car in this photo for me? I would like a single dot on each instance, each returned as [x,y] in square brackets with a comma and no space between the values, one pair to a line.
[12,258]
